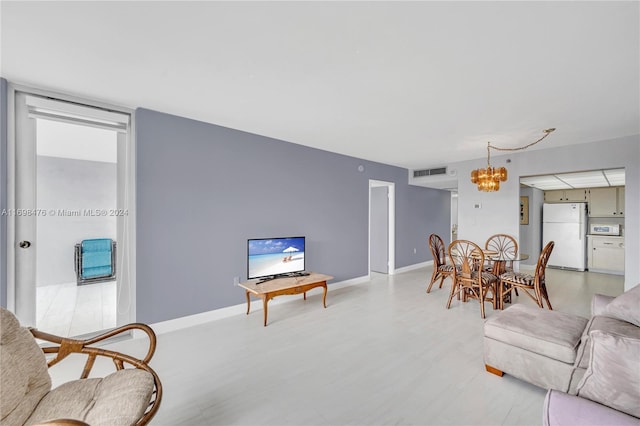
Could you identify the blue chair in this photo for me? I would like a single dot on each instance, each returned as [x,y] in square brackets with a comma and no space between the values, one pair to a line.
[95,261]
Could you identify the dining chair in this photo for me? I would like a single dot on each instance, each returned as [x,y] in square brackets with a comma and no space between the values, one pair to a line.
[533,285]
[441,269]
[503,244]
[469,278]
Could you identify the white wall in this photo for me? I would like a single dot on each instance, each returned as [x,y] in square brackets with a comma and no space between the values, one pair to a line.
[530,241]
[499,212]
[73,186]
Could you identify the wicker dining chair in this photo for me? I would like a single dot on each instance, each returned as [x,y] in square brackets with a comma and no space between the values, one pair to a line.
[502,244]
[441,269]
[469,278]
[533,285]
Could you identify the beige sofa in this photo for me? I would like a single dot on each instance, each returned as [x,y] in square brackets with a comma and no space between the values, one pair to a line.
[596,359]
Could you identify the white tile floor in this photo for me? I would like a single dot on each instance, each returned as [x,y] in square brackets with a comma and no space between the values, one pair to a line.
[72,310]
[383,353]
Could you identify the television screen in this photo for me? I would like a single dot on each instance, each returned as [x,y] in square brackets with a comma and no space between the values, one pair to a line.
[275,256]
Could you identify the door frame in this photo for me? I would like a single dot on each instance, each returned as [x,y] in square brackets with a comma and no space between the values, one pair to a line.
[127,248]
[391,226]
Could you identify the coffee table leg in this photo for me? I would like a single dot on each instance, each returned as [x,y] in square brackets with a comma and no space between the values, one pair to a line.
[324,295]
[305,295]
[248,302]
[264,304]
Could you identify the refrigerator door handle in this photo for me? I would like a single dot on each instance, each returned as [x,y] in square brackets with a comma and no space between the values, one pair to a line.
[581,230]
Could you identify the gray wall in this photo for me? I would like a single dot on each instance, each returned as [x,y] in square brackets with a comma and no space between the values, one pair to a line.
[71,185]
[531,234]
[3,192]
[203,190]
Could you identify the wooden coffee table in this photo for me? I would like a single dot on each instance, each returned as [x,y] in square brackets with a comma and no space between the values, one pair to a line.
[285,286]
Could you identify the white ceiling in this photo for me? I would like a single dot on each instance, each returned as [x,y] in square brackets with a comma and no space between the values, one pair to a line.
[586,179]
[412,84]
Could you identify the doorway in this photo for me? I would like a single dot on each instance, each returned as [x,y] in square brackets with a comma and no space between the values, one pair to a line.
[382,227]
[71,174]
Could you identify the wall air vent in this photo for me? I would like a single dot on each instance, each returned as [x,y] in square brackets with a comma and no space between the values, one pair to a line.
[430,172]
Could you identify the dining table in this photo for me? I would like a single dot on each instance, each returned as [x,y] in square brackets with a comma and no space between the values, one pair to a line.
[498,264]
[499,261]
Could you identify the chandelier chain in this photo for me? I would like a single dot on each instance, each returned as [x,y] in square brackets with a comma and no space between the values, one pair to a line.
[489,179]
[547,132]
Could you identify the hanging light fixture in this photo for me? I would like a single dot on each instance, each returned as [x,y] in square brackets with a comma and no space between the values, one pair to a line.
[488,180]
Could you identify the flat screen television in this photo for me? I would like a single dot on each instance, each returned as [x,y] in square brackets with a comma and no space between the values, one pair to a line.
[274,257]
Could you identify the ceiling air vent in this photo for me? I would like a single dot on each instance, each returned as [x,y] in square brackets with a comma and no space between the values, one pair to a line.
[430,172]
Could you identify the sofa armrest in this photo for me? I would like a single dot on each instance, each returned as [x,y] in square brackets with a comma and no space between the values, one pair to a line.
[562,409]
[598,303]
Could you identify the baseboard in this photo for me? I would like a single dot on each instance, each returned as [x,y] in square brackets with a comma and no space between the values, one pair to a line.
[412,267]
[239,309]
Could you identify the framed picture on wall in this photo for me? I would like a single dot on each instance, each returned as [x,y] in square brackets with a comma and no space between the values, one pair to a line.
[524,210]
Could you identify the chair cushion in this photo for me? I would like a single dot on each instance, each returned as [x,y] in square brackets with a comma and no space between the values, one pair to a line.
[549,333]
[446,268]
[625,306]
[487,277]
[121,398]
[517,277]
[613,376]
[25,376]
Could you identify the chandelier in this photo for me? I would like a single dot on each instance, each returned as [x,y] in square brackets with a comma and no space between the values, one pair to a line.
[488,180]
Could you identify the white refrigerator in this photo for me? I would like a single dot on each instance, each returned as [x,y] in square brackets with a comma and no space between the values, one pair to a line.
[566,225]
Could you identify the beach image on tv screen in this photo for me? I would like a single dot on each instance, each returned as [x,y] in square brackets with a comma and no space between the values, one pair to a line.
[275,256]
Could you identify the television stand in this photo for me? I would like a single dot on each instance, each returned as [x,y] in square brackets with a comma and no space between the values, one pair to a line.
[288,285]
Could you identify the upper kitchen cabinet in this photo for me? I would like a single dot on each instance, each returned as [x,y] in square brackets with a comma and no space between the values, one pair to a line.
[565,196]
[606,202]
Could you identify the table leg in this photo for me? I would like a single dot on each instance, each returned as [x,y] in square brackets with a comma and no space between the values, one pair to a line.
[264,304]
[248,302]
[305,295]
[499,266]
[324,295]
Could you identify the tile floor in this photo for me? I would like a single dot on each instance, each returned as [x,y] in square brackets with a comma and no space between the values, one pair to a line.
[383,353]
[72,310]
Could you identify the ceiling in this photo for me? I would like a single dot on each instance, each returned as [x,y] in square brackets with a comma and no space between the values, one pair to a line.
[411,84]
[586,179]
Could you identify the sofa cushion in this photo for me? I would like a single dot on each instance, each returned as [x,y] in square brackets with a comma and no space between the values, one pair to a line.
[626,306]
[537,330]
[599,302]
[613,375]
[561,409]
[25,376]
[606,324]
[118,399]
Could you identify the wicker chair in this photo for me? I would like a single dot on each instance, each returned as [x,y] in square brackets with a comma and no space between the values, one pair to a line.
[533,285]
[469,278]
[440,268]
[503,244]
[128,396]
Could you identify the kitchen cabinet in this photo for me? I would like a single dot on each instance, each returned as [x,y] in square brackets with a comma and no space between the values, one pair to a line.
[565,196]
[605,254]
[621,201]
[606,202]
